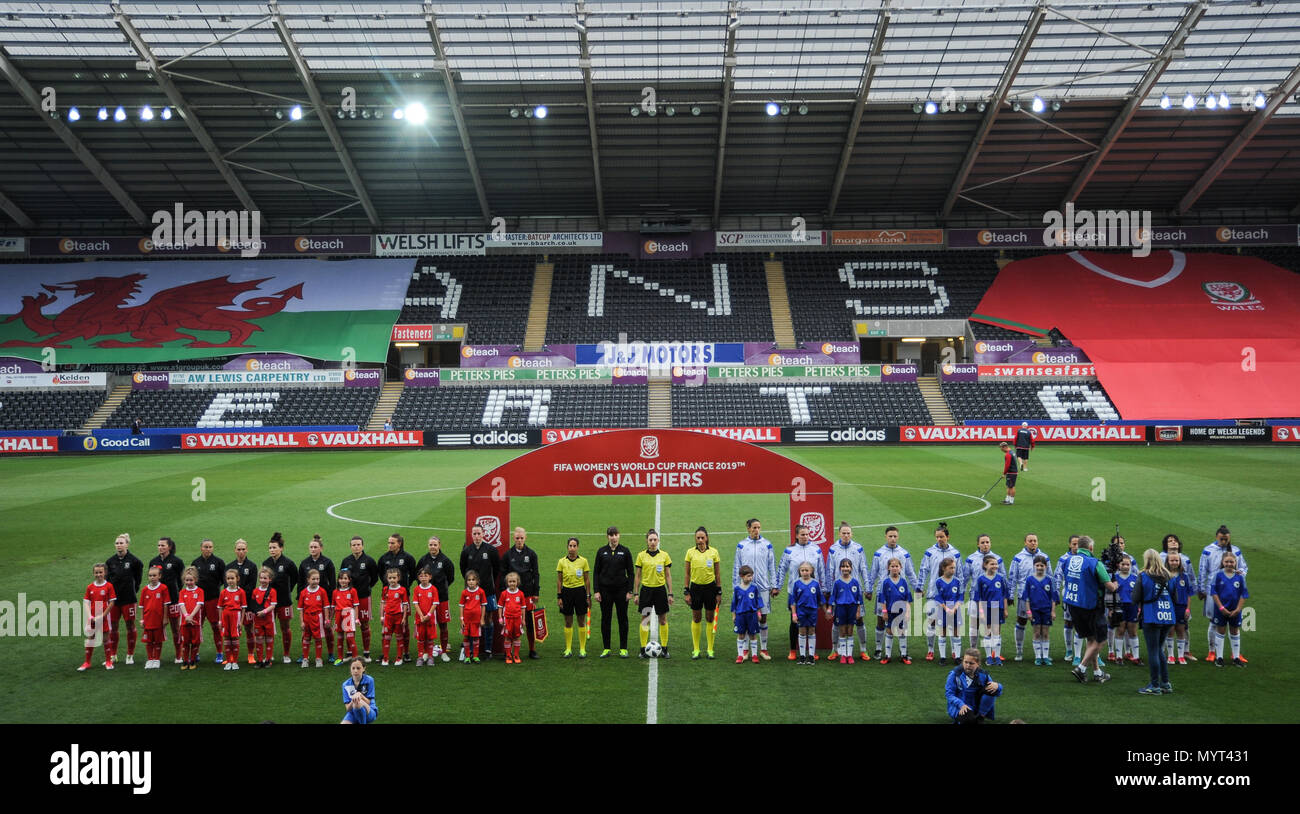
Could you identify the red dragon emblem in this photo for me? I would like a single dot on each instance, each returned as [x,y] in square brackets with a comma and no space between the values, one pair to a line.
[200,306]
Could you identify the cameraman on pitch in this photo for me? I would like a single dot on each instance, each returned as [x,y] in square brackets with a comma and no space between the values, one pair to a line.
[1084,580]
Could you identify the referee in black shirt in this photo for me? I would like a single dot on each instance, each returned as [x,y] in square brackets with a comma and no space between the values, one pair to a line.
[613,588]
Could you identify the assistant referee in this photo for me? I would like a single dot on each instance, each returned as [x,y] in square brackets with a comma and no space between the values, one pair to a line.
[703,586]
[573,592]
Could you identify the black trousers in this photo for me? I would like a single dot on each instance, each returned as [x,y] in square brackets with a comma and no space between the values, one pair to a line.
[610,599]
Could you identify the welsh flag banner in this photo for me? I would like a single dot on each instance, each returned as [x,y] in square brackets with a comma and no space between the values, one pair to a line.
[156,311]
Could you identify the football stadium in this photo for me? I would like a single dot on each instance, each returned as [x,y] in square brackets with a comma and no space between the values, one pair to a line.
[363,288]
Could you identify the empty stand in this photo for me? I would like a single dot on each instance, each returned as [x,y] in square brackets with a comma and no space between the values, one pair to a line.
[521,407]
[792,404]
[215,407]
[491,294]
[1029,401]
[982,331]
[47,410]
[829,290]
[717,298]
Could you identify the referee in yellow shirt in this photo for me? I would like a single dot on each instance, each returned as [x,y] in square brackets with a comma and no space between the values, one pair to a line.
[654,589]
[573,592]
[703,587]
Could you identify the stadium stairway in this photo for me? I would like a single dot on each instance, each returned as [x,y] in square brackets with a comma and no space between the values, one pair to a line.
[98,418]
[779,300]
[659,403]
[934,401]
[539,307]
[388,396]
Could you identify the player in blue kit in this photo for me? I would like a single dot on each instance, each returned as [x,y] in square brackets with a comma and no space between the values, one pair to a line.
[1181,589]
[1022,565]
[974,567]
[1229,594]
[746,603]
[930,568]
[895,608]
[1039,598]
[805,598]
[1126,638]
[946,594]
[990,599]
[846,599]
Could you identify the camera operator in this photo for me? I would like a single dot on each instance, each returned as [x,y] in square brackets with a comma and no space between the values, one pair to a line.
[1084,579]
[1110,558]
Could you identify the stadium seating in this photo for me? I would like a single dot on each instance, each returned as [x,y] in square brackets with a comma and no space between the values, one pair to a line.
[491,294]
[717,298]
[46,410]
[1029,401]
[995,333]
[521,407]
[829,290]
[239,408]
[811,403]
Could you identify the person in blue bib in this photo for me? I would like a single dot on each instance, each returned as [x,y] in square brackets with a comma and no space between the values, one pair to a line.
[1084,580]
[971,693]
[1156,610]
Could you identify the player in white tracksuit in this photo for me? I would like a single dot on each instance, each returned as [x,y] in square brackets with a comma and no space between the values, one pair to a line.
[975,568]
[756,552]
[1058,576]
[846,549]
[931,561]
[879,569]
[788,571]
[1211,564]
[1022,568]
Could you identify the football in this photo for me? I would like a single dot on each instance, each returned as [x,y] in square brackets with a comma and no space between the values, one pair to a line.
[654,650]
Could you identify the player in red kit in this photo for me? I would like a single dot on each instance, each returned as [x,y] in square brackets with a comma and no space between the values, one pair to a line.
[261,608]
[154,599]
[395,606]
[473,609]
[512,602]
[189,607]
[99,596]
[231,604]
[426,602]
[1009,470]
[313,605]
[346,604]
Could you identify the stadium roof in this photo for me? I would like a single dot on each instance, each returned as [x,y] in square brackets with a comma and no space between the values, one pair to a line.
[860,155]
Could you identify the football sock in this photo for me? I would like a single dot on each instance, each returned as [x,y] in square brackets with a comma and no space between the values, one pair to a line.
[568,638]
[1068,635]
[929,644]
[1110,640]
[956,646]
[1217,645]
[695,635]
[943,647]
[889,646]
[1133,647]
[862,634]
[762,634]
[645,636]
[835,638]
[902,646]
[583,633]
[742,646]
[1212,634]
[130,640]
[663,633]
[1020,639]
[1235,639]
[711,632]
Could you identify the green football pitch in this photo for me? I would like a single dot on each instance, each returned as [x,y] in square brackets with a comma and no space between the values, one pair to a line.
[59,515]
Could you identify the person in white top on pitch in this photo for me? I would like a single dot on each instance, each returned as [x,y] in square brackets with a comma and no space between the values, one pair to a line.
[793,557]
[880,569]
[930,571]
[845,549]
[1022,568]
[974,567]
[756,552]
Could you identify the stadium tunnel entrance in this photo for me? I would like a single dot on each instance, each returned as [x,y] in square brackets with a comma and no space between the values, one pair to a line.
[653,462]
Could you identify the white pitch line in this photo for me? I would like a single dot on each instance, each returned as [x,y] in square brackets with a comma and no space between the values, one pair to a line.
[652,691]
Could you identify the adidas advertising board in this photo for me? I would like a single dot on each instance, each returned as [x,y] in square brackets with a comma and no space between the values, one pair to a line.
[481,439]
[839,435]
